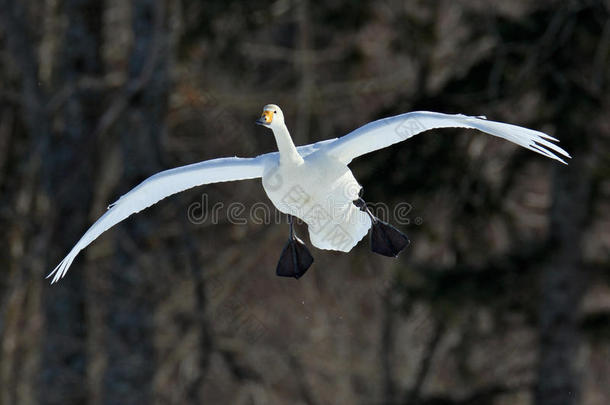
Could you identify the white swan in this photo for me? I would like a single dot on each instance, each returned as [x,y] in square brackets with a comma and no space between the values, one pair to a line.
[311,182]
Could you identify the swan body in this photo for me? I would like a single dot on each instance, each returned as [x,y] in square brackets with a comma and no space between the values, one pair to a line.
[317,188]
[320,191]
[311,182]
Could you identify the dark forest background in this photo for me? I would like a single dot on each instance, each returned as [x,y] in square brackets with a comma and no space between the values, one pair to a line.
[502,298]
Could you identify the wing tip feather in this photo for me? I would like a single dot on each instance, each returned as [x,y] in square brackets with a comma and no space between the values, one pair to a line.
[61,269]
[536,141]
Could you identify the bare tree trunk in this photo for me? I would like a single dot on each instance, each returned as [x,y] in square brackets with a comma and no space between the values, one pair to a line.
[388,335]
[562,286]
[303,59]
[140,129]
[64,351]
[20,298]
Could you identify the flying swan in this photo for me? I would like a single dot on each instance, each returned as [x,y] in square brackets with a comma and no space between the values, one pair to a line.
[311,182]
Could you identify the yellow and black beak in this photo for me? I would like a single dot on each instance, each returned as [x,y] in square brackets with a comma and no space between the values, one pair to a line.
[265,118]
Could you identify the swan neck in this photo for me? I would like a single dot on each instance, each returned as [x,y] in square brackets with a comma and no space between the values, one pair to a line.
[288,152]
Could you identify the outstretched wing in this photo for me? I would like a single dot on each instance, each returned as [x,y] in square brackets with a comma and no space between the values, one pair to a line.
[162,185]
[388,131]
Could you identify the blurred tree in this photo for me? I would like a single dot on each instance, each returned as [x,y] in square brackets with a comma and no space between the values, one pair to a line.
[509,263]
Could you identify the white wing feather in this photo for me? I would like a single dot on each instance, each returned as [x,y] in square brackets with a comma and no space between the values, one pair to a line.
[162,185]
[388,131]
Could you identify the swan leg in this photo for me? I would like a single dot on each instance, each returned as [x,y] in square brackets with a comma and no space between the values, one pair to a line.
[295,258]
[385,239]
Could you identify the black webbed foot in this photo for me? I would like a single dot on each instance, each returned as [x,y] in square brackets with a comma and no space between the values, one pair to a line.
[385,239]
[295,258]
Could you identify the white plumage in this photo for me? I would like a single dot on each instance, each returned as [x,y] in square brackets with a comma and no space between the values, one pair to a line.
[311,182]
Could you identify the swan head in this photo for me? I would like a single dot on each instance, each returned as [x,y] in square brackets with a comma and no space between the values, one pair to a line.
[272,116]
